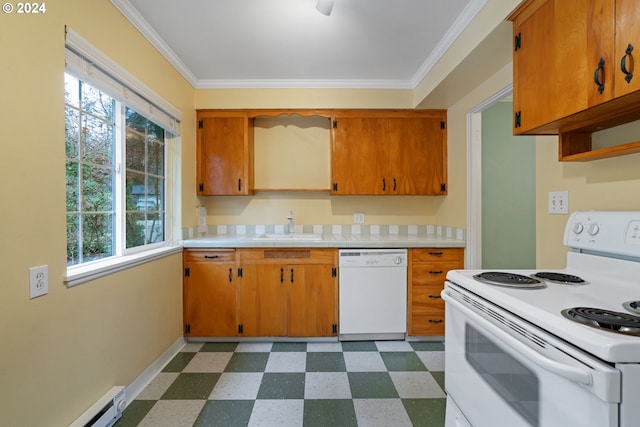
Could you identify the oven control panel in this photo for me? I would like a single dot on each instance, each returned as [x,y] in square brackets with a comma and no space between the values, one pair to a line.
[612,232]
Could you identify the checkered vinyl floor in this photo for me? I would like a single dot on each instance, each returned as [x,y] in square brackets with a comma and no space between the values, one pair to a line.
[366,383]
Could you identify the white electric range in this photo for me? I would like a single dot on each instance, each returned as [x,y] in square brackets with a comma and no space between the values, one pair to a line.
[550,347]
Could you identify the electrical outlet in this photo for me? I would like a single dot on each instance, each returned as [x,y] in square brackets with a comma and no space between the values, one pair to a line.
[559,202]
[38,281]
[358,218]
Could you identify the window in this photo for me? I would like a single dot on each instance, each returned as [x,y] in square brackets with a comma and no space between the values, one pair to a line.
[120,161]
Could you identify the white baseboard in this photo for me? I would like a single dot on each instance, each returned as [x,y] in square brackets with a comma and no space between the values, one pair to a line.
[143,380]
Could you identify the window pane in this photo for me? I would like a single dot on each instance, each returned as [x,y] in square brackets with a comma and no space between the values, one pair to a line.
[136,192]
[155,227]
[97,103]
[135,151]
[71,90]
[97,189]
[73,187]
[155,163]
[73,239]
[155,193]
[97,236]
[72,131]
[98,141]
[135,229]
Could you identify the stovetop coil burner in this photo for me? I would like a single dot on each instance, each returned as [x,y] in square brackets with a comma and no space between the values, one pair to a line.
[510,280]
[562,278]
[613,321]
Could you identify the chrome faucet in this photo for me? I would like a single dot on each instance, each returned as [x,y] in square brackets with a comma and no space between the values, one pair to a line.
[292,223]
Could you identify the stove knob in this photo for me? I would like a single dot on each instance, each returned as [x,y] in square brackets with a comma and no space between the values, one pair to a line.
[593,229]
[577,227]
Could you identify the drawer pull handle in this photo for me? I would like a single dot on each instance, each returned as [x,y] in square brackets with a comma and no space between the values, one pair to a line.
[436,272]
[435,253]
[230,275]
[212,256]
[281,275]
[435,296]
[292,275]
[623,63]
[435,321]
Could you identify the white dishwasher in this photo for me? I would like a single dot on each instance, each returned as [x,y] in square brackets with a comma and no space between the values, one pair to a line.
[373,294]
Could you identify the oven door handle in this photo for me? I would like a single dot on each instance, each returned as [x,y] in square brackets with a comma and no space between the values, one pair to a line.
[571,373]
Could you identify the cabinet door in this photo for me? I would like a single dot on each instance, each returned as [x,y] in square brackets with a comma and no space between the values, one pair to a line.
[224,164]
[262,301]
[356,159]
[210,299]
[627,40]
[312,301]
[418,156]
[557,54]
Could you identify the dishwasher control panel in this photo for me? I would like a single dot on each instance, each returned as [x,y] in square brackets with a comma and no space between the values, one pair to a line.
[372,258]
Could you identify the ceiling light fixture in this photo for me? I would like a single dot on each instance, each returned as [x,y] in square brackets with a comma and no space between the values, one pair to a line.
[325,6]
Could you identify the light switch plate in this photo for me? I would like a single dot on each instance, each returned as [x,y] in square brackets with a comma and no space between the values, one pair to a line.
[358,218]
[38,281]
[559,202]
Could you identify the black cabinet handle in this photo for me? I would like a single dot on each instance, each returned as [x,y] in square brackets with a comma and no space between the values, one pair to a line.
[292,275]
[598,74]
[281,275]
[212,256]
[394,184]
[623,63]
[230,275]
[435,297]
[239,184]
[435,321]
[384,184]
[436,272]
[434,253]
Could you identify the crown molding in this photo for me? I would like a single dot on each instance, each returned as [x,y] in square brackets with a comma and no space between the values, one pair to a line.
[447,40]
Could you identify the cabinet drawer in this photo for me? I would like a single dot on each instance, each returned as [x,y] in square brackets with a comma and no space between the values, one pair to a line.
[210,255]
[431,273]
[428,324]
[426,298]
[306,256]
[438,254]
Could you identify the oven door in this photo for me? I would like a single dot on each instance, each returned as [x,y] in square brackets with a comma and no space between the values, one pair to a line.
[503,371]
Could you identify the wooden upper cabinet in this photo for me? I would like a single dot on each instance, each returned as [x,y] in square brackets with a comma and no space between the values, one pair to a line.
[561,48]
[224,154]
[627,75]
[389,152]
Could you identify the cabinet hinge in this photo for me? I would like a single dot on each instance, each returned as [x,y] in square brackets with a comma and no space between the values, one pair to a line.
[201,187]
[201,124]
[443,187]
[334,272]
[517,44]
[334,328]
[518,120]
[335,124]
[239,272]
[187,329]
[335,186]
[240,329]
[187,272]
[442,124]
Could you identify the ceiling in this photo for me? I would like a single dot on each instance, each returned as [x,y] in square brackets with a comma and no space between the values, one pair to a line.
[289,44]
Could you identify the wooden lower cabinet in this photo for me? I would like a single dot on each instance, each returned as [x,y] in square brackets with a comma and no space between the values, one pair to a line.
[288,292]
[209,282]
[260,293]
[427,271]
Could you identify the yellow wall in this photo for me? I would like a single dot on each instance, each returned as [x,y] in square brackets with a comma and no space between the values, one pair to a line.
[62,351]
[609,184]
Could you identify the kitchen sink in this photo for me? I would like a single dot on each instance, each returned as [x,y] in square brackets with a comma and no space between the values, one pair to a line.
[293,236]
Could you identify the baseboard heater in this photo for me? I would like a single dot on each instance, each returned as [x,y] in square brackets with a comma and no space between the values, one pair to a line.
[106,411]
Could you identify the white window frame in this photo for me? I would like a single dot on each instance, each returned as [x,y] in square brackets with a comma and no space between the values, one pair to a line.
[96,69]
